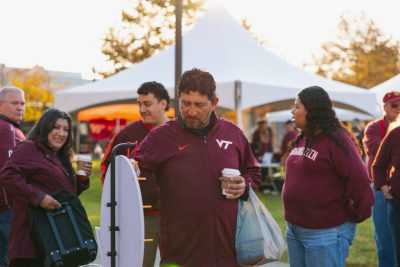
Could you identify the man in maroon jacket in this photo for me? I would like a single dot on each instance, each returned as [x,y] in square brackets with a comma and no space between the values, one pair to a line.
[187,155]
[373,136]
[12,106]
[153,101]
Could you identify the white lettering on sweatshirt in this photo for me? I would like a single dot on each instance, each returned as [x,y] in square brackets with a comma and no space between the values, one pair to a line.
[310,153]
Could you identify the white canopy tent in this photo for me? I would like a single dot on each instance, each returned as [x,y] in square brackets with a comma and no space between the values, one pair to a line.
[392,84]
[342,114]
[247,75]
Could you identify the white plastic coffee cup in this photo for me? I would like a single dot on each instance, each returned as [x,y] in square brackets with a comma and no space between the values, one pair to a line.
[228,173]
[81,159]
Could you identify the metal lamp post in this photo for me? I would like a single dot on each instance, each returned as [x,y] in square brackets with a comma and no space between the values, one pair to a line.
[178,51]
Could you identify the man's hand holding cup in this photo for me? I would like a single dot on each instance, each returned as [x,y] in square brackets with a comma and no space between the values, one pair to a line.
[233,185]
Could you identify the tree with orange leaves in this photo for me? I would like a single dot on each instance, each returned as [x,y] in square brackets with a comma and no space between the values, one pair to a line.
[361,55]
[36,84]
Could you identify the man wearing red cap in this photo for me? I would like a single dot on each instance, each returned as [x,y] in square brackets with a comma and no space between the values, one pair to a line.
[374,134]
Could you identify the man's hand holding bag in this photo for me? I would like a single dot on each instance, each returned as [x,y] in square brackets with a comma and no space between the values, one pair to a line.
[259,239]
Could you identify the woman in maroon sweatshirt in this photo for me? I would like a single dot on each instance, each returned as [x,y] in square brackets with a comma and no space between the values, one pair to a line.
[386,173]
[39,166]
[327,189]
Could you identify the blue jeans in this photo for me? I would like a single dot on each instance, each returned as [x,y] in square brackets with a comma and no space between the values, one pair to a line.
[5,222]
[393,209]
[383,238]
[319,247]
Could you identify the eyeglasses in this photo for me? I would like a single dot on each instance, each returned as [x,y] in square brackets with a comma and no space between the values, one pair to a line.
[394,105]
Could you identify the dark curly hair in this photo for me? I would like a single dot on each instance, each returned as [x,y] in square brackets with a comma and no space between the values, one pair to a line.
[196,80]
[157,89]
[45,125]
[321,118]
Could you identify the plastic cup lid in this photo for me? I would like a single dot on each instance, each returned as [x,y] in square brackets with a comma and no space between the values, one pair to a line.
[228,171]
[84,157]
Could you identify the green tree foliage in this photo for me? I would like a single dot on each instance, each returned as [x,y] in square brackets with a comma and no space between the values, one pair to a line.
[361,55]
[146,29]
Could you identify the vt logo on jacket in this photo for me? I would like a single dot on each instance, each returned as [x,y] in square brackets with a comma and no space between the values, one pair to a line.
[223,143]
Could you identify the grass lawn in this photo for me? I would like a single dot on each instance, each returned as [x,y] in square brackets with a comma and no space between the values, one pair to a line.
[362,252]
[91,198]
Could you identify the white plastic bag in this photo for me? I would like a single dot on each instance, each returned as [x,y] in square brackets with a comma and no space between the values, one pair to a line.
[259,239]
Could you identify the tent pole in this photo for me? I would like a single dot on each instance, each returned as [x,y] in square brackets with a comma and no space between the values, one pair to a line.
[178,51]
[78,137]
[118,126]
[238,103]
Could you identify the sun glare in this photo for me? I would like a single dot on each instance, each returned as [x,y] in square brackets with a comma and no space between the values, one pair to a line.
[219,2]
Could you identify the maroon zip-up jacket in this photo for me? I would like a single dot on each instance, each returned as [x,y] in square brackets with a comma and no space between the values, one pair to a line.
[386,167]
[32,171]
[373,136]
[328,186]
[10,136]
[197,224]
[135,131]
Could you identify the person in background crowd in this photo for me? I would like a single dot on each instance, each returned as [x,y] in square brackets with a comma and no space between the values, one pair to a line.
[358,132]
[375,131]
[153,101]
[12,107]
[290,135]
[187,155]
[85,146]
[386,173]
[37,167]
[262,139]
[327,189]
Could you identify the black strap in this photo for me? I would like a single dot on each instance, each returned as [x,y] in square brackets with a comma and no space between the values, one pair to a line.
[55,232]
[75,226]
[68,210]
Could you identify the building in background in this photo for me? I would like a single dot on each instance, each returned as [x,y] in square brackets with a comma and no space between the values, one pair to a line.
[58,79]
[39,86]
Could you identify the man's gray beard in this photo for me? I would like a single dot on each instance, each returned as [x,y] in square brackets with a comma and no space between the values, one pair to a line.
[196,126]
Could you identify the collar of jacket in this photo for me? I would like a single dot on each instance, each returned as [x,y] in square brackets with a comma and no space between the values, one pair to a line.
[5,118]
[148,126]
[202,132]
[47,150]
[53,157]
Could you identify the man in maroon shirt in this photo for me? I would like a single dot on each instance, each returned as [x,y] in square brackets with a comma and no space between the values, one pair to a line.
[388,158]
[187,155]
[373,136]
[12,107]
[262,139]
[153,100]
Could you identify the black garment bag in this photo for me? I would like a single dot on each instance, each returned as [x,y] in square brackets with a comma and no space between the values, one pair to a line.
[64,237]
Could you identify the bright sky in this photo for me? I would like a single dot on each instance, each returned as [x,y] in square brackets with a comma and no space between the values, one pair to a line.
[66,35]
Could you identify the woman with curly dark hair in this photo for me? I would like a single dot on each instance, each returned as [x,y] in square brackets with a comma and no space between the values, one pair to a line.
[327,189]
[37,167]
